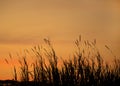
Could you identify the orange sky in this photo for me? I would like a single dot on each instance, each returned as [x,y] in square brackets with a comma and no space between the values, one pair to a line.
[24,23]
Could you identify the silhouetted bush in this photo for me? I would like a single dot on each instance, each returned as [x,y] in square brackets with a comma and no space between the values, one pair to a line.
[85,68]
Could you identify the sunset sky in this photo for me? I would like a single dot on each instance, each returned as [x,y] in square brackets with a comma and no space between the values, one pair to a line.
[25,23]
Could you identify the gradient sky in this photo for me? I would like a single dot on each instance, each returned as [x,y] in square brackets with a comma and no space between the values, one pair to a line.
[24,23]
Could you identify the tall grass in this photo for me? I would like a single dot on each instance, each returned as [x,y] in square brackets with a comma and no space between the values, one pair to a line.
[85,68]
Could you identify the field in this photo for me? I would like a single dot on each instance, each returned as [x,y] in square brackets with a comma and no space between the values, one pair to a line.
[85,68]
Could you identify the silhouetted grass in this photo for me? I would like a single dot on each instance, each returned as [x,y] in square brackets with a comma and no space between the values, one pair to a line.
[85,68]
